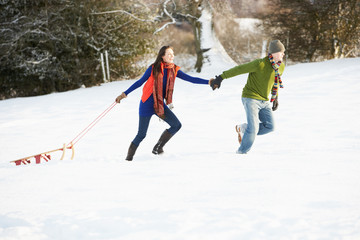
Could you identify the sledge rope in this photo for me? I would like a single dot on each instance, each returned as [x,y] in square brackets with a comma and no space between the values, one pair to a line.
[46,156]
[91,125]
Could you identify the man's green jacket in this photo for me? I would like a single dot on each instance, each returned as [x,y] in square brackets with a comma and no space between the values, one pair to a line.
[260,80]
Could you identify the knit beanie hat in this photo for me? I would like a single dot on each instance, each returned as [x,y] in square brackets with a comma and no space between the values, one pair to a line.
[276,46]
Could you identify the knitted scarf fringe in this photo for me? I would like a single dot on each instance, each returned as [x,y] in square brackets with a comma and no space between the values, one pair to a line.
[277,80]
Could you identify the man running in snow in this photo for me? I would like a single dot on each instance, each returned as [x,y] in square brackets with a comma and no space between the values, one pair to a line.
[264,77]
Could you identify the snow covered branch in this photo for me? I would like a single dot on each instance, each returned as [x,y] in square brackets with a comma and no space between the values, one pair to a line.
[164,8]
[187,16]
[173,21]
[125,12]
[38,62]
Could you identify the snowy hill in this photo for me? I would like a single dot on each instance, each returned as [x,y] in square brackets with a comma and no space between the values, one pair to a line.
[299,182]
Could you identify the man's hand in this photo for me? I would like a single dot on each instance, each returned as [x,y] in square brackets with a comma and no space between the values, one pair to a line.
[121,96]
[275,104]
[216,83]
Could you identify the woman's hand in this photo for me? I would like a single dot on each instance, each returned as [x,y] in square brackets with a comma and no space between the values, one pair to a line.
[210,81]
[121,96]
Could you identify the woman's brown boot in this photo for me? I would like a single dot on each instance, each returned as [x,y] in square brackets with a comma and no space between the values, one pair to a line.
[131,152]
[165,137]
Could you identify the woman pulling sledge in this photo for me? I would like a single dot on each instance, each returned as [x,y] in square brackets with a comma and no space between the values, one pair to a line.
[159,81]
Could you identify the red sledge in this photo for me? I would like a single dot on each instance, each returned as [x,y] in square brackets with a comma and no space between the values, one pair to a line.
[43,156]
[46,155]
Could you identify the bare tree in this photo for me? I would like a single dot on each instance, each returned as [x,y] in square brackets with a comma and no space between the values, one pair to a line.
[170,12]
[345,31]
[315,29]
[189,11]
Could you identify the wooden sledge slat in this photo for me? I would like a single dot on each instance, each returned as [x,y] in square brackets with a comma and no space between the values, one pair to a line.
[26,159]
[72,150]
[63,154]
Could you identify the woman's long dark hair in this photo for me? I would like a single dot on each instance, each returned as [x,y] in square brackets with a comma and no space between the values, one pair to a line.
[159,59]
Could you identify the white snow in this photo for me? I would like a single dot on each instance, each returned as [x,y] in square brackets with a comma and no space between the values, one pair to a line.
[300,182]
[249,24]
[216,56]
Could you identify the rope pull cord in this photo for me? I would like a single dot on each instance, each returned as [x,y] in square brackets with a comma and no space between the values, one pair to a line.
[90,126]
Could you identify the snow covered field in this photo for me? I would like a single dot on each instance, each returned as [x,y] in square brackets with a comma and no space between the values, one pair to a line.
[300,182]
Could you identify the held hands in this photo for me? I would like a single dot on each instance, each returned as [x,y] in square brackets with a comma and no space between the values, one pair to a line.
[275,104]
[121,96]
[215,83]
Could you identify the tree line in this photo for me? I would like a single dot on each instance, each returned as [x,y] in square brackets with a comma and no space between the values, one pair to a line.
[55,45]
[315,30]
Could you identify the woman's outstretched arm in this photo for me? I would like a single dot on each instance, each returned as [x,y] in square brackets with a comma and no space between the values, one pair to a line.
[135,85]
[191,79]
[139,82]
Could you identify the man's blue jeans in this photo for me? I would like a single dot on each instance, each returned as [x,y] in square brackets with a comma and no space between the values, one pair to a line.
[260,121]
[144,121]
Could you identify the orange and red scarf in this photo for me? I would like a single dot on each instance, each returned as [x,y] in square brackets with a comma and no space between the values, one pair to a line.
[154,86]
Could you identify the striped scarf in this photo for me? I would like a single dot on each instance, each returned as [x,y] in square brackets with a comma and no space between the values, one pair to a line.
[277,80]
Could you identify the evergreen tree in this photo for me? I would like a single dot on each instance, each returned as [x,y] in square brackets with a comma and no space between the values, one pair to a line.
[55,45]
